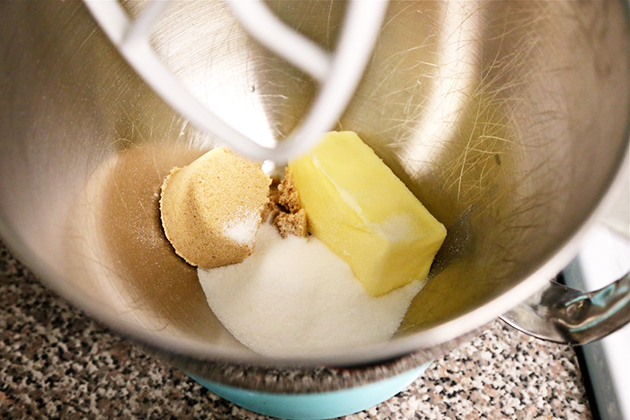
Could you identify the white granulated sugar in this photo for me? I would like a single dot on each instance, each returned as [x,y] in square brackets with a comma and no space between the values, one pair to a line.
[294,296]
[242,227]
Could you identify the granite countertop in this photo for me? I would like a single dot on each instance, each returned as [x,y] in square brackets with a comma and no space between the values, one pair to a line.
[55,362]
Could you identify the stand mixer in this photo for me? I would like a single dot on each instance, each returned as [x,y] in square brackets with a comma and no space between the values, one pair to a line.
[478,107]
[338,73]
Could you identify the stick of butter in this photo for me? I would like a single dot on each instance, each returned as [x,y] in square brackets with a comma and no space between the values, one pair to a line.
[365,214]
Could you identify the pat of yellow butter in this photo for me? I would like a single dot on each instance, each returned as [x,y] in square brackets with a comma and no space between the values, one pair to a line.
[359,209]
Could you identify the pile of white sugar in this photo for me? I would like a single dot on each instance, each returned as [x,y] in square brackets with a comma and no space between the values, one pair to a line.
[294,296]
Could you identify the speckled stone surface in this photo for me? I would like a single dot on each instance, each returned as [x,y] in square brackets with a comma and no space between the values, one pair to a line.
[57,363]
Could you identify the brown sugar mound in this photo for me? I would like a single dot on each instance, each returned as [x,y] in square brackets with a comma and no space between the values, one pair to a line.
[292,223]
[271,209]
[284,208]
[211,209]
[287,194]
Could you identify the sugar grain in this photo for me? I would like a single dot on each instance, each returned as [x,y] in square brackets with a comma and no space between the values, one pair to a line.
[294,296]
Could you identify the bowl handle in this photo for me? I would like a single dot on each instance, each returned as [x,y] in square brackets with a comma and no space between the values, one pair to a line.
[564,315]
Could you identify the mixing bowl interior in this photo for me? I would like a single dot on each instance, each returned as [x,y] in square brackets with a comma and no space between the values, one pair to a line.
[508,120]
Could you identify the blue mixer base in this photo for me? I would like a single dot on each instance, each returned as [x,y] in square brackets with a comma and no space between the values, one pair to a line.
[323,405]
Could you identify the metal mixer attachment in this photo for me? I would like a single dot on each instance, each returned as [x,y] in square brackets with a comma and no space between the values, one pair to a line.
[337,73]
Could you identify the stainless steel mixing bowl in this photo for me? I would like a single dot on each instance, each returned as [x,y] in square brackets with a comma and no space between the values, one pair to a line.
[507,119]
